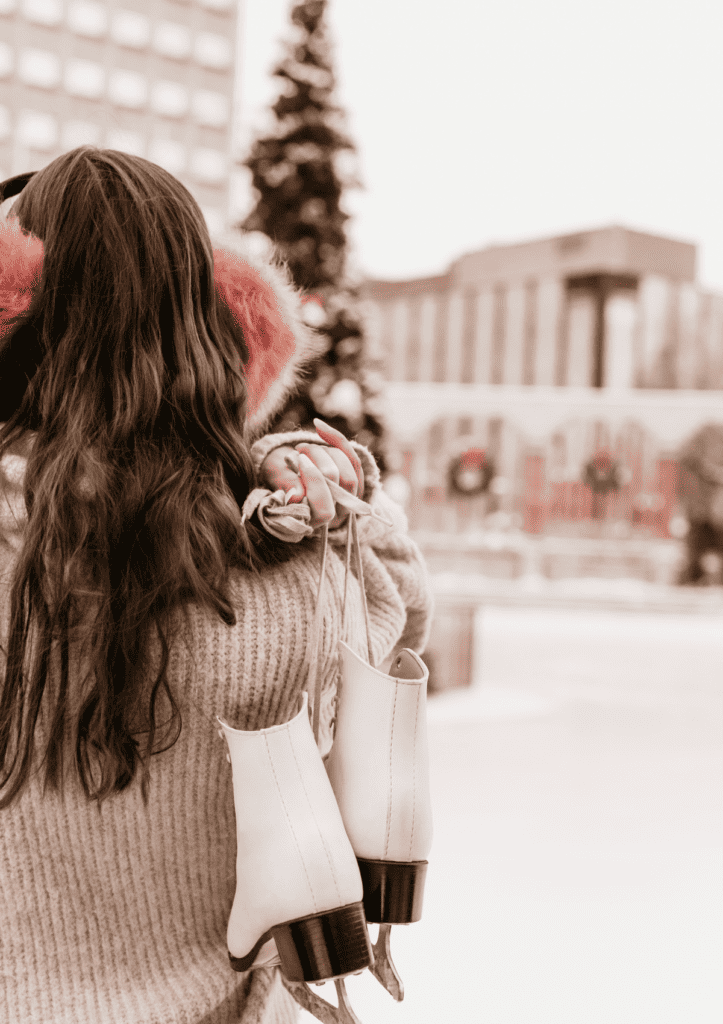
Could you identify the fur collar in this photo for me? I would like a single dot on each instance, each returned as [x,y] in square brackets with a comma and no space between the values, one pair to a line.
[259,293]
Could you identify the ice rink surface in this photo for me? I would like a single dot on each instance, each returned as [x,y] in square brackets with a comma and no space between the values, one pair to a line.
[577,869]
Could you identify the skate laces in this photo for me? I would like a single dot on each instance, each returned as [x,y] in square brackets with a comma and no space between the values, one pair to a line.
[291,522]
[314,681]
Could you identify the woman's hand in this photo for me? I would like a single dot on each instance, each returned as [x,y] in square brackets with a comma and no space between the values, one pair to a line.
[305,469]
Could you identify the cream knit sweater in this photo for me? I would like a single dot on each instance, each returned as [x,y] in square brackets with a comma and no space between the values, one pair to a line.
[118,915]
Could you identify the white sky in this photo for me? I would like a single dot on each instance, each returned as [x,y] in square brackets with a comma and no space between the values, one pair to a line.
[492,121]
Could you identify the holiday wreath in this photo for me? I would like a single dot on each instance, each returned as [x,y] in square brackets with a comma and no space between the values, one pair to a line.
[603,473]
[470,472]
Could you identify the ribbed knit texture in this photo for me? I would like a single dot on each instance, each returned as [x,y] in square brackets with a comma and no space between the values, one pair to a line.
[119,915]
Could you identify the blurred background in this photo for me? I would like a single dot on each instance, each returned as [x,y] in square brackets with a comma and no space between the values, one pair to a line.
[506,222]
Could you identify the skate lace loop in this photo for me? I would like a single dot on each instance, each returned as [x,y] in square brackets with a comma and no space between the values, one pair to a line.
[356,508]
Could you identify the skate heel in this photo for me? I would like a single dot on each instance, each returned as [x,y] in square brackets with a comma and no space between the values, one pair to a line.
[393,890]
[324,946]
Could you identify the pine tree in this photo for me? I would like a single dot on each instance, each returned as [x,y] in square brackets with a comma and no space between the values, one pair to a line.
[299,182]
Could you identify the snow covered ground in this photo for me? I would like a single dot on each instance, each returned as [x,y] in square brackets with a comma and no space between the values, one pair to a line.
[577,870]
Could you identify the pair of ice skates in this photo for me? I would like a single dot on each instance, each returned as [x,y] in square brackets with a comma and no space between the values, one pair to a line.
[322,850]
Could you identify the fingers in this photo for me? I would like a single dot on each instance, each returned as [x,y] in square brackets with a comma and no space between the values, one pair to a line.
[348,478]
[338,441]
[322,459]
[292,481]
[303,472]
[333,463]
[278,474]
[318,494]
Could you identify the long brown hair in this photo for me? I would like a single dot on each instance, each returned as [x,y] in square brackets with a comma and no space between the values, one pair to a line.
[137,470]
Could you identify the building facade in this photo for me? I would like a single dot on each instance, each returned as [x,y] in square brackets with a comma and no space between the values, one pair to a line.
[607,308]
[154,78]
[552,360]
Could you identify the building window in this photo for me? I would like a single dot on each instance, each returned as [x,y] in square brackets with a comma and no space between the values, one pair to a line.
[530,333]
[211,108]
[128,89]
[209,166]
[499,333]
[169,99]
[131,29]
[43,12]
[84,78]
[126,142]
[87,19]
[5,124]
[411,371]
[39,68]
[469,337]
[168,154]
[441,340]
[37,130]
[7,6]
[212,51]
[7,60]
[172,40]
[80,133]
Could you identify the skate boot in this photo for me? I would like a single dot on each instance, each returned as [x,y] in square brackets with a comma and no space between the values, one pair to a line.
[378,768]
[379,773]
[298,886]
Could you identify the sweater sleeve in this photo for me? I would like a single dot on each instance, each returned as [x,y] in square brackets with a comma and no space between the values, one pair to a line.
[396,581]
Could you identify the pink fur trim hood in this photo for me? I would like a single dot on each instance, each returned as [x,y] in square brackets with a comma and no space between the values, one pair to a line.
[258,292]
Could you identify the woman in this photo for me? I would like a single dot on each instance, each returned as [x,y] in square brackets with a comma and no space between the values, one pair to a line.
[136,606]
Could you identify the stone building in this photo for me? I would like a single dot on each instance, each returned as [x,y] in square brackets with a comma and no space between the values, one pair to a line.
[543,357]
[544,361]
[151,77]
[610,308]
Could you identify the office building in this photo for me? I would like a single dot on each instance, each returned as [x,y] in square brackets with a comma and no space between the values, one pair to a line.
[154,78]
[544,357]
[609,308]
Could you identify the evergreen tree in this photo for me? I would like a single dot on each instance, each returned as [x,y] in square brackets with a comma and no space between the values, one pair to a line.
[299,183]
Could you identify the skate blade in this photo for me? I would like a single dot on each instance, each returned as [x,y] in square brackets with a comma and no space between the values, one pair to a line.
[324,1011]
[383,967]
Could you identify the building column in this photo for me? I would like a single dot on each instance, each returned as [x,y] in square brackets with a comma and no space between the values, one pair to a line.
[514,334]
[596,289]
[550,302]
[621,327]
